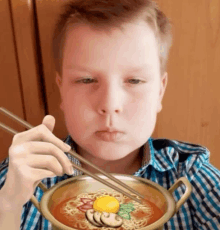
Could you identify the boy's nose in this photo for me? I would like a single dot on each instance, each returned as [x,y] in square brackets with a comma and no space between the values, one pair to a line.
[109,105]
[111,99]
[107,111]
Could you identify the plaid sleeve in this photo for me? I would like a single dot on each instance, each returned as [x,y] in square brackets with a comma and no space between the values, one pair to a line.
[28,215]
[3,171]
[205,202]
[31,218]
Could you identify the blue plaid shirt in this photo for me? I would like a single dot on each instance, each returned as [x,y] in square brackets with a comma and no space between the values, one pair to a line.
[169,160]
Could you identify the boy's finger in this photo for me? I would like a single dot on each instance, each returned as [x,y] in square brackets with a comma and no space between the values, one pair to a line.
[40,133]
[49,122]
[48,162]
[50,150]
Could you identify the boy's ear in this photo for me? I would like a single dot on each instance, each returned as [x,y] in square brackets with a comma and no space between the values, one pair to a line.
[58,80]
[59,84]
[163,85]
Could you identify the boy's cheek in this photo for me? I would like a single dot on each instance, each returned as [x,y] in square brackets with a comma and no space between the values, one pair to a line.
[159,107]
[61,106]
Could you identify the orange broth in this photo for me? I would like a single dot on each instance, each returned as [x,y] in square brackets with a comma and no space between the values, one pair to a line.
[73,221]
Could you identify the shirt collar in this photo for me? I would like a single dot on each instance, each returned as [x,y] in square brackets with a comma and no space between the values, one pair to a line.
[162,160]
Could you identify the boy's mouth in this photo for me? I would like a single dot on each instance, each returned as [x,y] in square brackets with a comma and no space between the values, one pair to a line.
[109,136]
[110,129]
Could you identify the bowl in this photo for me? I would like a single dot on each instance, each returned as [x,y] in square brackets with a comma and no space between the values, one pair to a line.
[74,186]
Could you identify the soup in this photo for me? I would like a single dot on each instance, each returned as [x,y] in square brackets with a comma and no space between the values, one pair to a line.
[105,210]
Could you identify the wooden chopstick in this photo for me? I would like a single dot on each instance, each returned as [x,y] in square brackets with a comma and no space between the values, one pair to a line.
[73,153]
[10,130]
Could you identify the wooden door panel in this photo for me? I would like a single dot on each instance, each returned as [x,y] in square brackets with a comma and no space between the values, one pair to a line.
[47,12]
[26,37]
[10,90]
[21,89]
[191,105]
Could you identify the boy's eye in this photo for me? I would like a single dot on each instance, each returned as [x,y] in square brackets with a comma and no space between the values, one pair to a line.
[85,80]
[135,81]
[90,80]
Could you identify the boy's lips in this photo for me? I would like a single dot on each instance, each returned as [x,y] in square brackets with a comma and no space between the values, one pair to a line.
[108,129]
[109,136]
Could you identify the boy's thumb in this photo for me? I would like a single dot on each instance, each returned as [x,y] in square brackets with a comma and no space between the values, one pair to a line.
[49,122]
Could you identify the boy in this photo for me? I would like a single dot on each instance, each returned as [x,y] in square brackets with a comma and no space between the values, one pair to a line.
[110,60]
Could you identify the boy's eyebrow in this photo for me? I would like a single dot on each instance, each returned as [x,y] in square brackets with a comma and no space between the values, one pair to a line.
[133,69]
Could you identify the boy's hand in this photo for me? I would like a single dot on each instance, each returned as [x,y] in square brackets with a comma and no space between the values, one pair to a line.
[34,155]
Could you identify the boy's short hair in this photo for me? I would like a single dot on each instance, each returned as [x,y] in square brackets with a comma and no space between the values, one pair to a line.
[107,14]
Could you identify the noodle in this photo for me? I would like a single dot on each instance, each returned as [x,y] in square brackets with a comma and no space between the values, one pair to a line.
[70,209]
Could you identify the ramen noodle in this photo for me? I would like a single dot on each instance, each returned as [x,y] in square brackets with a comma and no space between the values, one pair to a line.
[72,211]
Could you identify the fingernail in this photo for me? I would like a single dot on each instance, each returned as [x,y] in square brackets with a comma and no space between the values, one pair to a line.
[67,147]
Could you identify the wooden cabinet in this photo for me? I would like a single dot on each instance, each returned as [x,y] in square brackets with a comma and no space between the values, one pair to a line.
[191,105]
[10,85]
[20,82]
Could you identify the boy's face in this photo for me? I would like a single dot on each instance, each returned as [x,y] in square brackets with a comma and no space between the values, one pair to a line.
[129,98]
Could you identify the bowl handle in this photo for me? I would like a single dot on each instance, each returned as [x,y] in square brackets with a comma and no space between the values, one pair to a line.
[34,199]
[181,180]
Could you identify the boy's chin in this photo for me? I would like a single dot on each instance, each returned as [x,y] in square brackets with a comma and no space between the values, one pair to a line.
[107,157]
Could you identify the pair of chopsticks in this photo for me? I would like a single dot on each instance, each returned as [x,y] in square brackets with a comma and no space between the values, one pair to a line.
[73,153]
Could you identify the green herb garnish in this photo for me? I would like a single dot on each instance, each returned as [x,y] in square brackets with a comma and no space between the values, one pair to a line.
[125,209]
[124,215]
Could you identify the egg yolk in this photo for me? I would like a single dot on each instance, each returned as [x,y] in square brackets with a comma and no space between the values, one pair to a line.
[106,204]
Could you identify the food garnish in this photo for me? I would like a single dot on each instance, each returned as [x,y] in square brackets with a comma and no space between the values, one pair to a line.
[125,209]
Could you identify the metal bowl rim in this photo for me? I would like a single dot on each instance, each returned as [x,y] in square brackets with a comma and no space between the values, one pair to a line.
[168,197]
